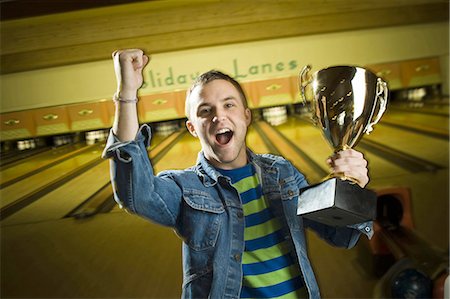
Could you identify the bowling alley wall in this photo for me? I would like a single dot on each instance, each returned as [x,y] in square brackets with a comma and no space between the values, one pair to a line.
[77,98]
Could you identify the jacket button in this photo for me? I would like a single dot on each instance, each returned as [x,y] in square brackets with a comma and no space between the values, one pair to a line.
[240,214]
[237,257]
[290,192]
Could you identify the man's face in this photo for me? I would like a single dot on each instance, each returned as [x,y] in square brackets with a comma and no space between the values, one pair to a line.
[219,119]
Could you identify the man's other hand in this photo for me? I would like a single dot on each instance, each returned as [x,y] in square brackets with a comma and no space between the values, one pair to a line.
[350,163]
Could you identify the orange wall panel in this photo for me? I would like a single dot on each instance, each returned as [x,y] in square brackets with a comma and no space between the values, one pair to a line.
[16,125]
[273,92]
[52,120]
[88,116]
[420,72]
[389,72]
[158,107]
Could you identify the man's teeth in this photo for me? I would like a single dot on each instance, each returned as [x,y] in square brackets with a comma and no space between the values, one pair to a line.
[221,131]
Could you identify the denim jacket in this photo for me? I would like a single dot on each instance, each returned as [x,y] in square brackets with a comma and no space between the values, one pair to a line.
[205,211]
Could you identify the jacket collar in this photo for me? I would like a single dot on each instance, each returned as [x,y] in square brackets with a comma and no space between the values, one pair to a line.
[210,176]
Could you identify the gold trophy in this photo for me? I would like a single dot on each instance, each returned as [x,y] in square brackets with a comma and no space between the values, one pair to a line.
[345,102]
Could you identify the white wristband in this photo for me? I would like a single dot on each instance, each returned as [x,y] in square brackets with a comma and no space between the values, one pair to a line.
[117,98]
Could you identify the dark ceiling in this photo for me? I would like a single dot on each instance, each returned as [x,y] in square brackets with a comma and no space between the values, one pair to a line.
[17,9]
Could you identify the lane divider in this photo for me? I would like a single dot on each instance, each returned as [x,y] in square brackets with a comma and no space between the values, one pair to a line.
[396,157]
[316,169]
[103,201]
[46,166]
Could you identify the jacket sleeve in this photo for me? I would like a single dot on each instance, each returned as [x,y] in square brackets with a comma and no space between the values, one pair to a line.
[337,236]
[135,186]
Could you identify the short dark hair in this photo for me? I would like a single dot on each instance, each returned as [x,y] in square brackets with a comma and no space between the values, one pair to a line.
[209,76]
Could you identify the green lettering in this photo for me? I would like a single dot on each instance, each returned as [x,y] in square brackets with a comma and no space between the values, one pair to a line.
[293,65]
[181,79]
[253,70]
[236,70]
[266,68]
[280,66]
[169,79]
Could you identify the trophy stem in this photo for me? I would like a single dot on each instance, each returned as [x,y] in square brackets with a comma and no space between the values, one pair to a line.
[342,176]
[341,148]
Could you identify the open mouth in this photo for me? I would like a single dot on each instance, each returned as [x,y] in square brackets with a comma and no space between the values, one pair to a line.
[223,136]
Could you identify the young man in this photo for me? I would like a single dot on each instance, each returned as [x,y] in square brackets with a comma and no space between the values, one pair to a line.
[234,210]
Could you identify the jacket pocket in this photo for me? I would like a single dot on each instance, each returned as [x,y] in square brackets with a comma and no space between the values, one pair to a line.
[201,219]
[289,189]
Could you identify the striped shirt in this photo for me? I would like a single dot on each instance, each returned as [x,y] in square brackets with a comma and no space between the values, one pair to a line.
[269,271]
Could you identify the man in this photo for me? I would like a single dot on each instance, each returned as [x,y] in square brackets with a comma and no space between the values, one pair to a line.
[235,211]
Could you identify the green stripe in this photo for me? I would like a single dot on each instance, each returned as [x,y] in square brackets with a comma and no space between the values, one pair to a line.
[262,229]
[264,254]
[254,206]
[246,183]
[271,278]
[298,294]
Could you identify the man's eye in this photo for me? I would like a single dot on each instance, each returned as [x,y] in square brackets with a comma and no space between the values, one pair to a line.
[229,105]
[205,110]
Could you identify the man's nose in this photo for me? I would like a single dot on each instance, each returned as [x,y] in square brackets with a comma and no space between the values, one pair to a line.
[219,115]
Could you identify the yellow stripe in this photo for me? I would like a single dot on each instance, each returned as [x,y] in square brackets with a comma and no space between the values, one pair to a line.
[271,278]
[254,206]
[264,254]
[261,230]
[246,183]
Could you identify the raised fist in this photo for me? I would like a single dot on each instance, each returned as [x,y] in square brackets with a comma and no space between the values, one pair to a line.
[128,65]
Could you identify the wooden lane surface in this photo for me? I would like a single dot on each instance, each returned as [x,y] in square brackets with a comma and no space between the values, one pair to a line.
[44,160]
[59,202]
[441,109]
[34,155]
[180,156]
[431,124]
[14,192]
[11,158]
[255,143]
[114,255]
[431,149]
[312,142]
[289,153]
[62,200]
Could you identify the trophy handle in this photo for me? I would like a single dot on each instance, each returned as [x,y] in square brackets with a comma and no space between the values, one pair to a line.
[381,96]
[303,82]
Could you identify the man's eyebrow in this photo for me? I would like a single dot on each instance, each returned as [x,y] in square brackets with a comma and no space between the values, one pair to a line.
[229,98]
[203,105]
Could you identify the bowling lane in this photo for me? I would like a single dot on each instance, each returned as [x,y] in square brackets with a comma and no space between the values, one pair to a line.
[58,203]
[437,108]
[182,155]
[439,123]
[313,171]
[255,142]
[428,148]
[312,142]
[14,192]
[39,161]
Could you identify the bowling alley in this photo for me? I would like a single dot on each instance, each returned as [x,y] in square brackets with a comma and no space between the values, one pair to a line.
[319,77]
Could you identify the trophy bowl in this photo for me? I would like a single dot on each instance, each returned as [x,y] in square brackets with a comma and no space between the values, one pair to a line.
[345,102]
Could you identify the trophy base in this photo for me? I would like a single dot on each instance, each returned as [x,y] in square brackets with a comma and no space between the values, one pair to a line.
[337,203]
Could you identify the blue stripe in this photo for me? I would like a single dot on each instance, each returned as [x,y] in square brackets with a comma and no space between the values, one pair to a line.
[251,194]
[258,218]
[239,173]
[265,241]
[276,290]
[267,266]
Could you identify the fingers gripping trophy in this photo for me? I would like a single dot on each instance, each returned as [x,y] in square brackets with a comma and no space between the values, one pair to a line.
[345,102]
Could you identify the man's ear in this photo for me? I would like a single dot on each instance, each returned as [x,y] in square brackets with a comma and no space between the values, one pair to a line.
[191,128]
[248,116]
